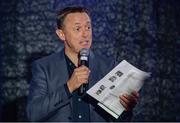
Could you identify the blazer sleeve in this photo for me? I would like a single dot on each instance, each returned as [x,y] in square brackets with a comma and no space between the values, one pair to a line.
[42,104]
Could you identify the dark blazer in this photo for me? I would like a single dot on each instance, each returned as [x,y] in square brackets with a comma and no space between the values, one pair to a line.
[48,100]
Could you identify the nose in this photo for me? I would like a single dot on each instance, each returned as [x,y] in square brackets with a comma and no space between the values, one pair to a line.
[85,33]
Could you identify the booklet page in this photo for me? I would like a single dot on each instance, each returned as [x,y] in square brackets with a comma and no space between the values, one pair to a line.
[124,78]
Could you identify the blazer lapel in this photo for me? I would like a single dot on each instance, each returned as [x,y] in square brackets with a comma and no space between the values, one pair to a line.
[62,66]
[92,67]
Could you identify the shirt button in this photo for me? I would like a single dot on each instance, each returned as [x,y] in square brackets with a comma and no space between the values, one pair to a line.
[79,116]
[70,118]
[79,99]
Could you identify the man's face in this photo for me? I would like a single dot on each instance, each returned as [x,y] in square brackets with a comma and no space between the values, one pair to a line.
[77,32]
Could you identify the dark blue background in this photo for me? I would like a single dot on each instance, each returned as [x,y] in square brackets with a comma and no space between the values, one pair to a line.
[144,32]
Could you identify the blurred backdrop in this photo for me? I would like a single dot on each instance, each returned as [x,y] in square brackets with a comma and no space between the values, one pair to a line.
[144,32]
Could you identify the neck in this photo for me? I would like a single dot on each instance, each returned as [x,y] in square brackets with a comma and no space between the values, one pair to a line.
[72,56]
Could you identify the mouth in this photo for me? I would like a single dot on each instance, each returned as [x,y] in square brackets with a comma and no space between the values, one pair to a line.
[84,43]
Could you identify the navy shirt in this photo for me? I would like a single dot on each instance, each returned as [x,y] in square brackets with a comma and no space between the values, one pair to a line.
[80,106]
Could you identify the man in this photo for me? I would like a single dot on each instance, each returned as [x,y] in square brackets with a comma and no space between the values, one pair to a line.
[56,78]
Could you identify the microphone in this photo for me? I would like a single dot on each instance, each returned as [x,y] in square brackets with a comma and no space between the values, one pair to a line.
[83,57]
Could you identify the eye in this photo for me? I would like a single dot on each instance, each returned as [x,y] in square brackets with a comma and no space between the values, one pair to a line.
[77,29]
[88,27]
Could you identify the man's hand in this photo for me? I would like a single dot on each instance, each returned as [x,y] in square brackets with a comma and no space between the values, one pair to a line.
[79,77]
[129,101]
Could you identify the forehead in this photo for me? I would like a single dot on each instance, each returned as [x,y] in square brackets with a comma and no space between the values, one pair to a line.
[78,17]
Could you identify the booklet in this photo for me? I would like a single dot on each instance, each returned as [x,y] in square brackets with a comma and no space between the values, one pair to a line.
[124,78]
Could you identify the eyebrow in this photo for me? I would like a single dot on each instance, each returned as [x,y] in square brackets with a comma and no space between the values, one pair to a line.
[88,22]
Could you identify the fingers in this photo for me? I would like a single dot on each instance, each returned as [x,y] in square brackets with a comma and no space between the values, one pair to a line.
[124,102]
[79,76]
[83,78]
[82,68]
[135,94]
[129,101]
[82,74]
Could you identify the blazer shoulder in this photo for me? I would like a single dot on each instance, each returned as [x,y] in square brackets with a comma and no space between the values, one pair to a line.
[50,59]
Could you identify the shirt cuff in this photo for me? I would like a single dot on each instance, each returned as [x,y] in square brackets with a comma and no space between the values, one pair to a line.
[67,91]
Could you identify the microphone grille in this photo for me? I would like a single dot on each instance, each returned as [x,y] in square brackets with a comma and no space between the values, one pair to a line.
[84,52]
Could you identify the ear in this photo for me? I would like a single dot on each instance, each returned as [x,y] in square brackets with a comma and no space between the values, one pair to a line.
[60,34]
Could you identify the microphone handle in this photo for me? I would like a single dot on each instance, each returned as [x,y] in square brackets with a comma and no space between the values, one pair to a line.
[83,87]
